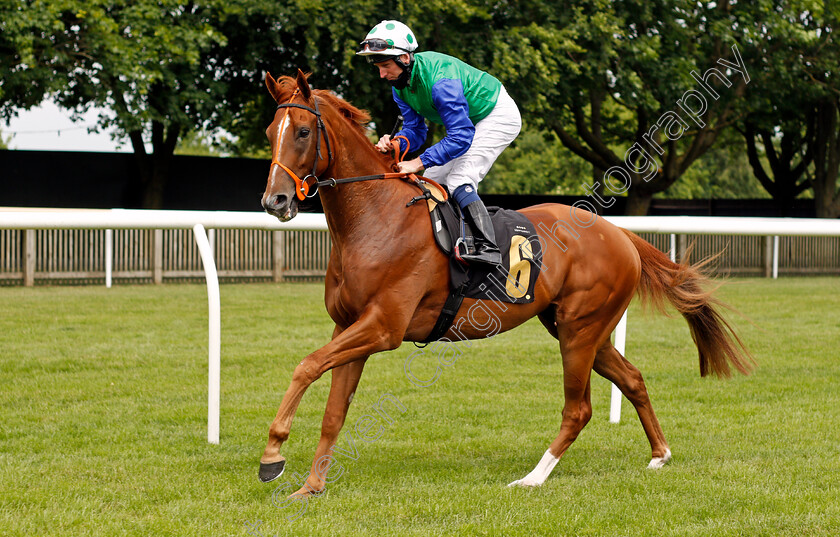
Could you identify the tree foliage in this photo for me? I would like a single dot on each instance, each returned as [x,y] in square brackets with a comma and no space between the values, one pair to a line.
[791,104]
[537,163]
[723,172]
[146,62]
[615,83]
[160,68]
[164,68]
[822,68]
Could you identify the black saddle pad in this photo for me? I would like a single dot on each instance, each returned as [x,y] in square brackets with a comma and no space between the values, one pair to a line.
[513,281]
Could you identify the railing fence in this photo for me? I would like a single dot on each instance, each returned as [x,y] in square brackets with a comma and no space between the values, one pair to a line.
[58,256]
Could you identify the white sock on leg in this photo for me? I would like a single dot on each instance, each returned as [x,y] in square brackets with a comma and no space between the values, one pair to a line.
[540,473]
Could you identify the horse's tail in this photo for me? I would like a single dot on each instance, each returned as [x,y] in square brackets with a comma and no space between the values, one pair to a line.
[686,288]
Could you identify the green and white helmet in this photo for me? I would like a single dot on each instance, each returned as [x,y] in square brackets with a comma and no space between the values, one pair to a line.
[388,38]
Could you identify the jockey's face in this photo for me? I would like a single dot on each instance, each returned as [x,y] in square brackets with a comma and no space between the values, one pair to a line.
[389,70]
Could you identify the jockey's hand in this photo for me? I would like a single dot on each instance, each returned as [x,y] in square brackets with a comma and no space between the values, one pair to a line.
[411,166]
[384,144]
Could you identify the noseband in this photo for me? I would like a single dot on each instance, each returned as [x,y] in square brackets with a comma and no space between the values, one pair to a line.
[302,186]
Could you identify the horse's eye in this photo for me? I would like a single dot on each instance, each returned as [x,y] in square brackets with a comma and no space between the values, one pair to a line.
[303,133]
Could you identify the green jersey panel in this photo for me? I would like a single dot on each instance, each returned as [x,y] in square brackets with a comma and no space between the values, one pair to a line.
[480,89]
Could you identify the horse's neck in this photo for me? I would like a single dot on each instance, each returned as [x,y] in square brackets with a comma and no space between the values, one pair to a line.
[357,208]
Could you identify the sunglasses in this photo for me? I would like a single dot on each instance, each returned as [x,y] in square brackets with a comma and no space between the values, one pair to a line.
[377,45]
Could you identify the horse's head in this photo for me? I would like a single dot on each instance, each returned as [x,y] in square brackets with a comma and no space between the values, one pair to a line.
[299,146]
[302,149]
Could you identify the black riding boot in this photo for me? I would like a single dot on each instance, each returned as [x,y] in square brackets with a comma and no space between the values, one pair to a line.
[484,236]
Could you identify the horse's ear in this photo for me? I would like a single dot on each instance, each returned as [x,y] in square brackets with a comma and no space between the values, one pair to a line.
[273,88]
[305,90]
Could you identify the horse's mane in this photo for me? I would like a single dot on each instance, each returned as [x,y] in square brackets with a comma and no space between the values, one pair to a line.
[358,118]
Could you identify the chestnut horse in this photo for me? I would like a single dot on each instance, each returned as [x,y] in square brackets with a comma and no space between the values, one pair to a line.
[387,281]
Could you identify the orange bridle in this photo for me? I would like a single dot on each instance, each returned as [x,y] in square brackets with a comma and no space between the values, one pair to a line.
[302,186]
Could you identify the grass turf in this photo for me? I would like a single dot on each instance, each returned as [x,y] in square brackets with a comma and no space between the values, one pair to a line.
[103,424]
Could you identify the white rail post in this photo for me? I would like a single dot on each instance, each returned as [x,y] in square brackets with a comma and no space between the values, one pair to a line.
[615,393]
[215,341]
[29,257]
[775,257]
[673,252]
[109,257]
[278,255]
[157,256]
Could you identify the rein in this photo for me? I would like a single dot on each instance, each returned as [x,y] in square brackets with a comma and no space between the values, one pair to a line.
[303,186]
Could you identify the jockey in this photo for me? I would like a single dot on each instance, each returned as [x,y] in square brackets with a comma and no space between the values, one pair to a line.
[480,118]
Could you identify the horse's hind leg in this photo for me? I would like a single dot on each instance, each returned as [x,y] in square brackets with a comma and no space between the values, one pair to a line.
[610,364]
[578,356]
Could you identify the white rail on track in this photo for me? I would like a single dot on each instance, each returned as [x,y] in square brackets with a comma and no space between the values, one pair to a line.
[198,221]
[214,360]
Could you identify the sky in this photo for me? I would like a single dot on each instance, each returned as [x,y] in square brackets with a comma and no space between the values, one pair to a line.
[49,128]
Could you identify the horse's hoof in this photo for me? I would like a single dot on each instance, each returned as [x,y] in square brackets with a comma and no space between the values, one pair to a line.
[271,470]
[658,462]
[306,492]
[525,482]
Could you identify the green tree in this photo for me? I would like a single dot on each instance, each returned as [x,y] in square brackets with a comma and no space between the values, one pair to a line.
[599,75]
[142,61]
[608,78]
[821,65]
[316,36]
[787,148]
[536,163]
[200,144]
[327,34]
[796,109]
[723,172]
[787,131]
[162,68]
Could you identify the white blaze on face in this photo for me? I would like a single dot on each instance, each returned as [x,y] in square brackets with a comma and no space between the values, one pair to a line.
[281,134]
[282,128]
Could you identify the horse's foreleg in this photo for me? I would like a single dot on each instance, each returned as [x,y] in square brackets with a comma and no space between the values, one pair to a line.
[369,335]
[611,365]
[345,379]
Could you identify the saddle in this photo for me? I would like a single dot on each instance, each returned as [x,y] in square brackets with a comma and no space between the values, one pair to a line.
[511,282]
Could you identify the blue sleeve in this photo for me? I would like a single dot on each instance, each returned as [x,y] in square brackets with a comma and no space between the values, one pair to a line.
[448,97]
[414,126]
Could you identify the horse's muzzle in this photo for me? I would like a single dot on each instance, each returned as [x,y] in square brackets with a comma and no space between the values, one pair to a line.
[281,206]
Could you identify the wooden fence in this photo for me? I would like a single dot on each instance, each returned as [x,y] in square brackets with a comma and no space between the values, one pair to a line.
[74,256]
[751,255]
